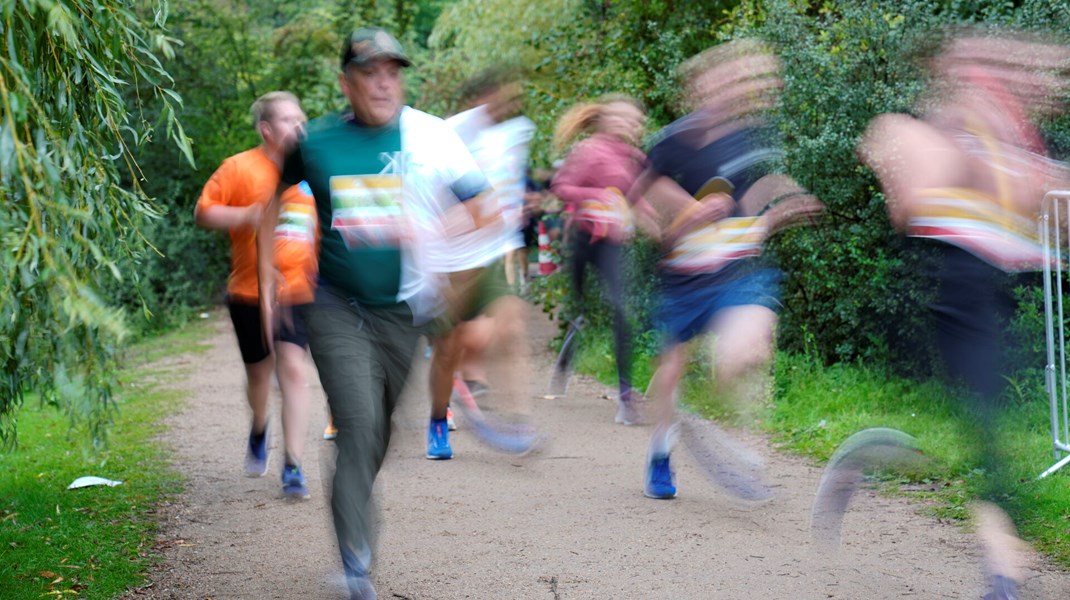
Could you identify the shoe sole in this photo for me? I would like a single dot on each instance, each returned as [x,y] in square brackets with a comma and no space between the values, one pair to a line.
[650,494]
[249,472]
[843,475]
[296,495]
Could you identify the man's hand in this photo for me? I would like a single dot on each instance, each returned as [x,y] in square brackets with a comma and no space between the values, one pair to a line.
[710,209]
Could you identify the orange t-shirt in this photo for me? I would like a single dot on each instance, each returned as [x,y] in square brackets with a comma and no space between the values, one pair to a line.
[249,178]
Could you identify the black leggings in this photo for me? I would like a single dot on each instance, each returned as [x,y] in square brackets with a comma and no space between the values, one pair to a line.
[971,311]
[604,256]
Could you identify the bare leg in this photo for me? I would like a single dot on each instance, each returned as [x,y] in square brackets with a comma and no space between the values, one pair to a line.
[294,386]
[510,366]
[663,391]
[510,268]
[743,347]
[444,362]
[448,350]
[257,389]
[1005,553]
[522,262]
[475,337]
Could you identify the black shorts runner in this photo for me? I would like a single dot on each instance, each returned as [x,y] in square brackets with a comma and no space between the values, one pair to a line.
[246,320]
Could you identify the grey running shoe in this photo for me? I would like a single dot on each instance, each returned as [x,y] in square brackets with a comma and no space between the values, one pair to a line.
[627,411]
[1003,588]
[867,449]
[723,460]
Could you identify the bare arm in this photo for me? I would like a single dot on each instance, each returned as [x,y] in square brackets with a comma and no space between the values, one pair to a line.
[226,218]
[909,155]
[265,262]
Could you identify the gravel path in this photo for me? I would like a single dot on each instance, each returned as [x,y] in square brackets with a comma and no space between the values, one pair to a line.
[568,523]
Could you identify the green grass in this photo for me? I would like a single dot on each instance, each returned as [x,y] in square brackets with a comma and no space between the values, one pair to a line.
[91,542]
[815,408]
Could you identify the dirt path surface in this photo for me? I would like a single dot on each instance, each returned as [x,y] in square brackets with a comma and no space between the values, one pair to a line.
[569,523]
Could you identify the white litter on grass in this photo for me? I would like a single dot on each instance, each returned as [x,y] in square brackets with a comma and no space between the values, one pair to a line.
[205,315]
[89,481]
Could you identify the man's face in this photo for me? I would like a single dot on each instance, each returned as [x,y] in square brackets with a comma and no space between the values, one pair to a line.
[285,125]
[503,103]
[743,85]
[375,90]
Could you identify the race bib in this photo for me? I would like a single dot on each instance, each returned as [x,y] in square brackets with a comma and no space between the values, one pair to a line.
[611,219]
[297,219]
[709,249]
[367,209]
[1008,241]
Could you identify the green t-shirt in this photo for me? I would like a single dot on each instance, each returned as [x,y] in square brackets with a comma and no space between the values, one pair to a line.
[352,172]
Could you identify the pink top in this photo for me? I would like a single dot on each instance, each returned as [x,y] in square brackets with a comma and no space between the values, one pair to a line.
[595,164]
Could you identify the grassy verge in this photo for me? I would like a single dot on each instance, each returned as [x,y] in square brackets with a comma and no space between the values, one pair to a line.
[815,408]
[90,542]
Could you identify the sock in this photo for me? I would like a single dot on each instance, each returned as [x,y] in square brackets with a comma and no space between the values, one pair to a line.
[257,438]
[662,440]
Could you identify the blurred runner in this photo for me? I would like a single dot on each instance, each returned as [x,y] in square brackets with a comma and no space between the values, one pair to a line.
[592,181]
[483,334]
[376,172]
[970,176]
[233,200]
[711,177]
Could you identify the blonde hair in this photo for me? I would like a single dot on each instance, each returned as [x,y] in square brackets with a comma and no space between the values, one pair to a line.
[263,109]
[583,118]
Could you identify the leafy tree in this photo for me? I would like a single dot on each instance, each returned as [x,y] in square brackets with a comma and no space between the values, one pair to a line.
[231,52]
[73,77]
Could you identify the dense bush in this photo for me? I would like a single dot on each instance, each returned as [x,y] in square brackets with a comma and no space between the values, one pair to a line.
[855,286]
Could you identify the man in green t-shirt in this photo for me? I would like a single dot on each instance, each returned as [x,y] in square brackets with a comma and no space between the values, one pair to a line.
[382,175]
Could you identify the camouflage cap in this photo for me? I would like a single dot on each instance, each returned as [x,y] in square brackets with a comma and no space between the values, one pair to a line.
[371,43]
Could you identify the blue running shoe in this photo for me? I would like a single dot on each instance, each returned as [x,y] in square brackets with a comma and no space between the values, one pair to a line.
[293,483]
[659,479]
[256,455]
[438,440]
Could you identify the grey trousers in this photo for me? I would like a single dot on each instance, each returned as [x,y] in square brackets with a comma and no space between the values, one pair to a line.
[363,356]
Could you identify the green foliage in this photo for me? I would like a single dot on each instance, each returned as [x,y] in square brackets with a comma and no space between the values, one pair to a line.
[180,275]
[574,50]
[853,284]
[73,79]
[231,53]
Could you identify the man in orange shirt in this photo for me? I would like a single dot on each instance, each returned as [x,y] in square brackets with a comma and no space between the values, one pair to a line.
[233,200]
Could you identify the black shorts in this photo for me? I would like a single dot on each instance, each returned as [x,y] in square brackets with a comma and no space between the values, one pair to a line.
[246,320]
[531,233]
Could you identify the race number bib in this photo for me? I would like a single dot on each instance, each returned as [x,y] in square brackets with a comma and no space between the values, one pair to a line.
[710,248]
[607,218]
[980,226]
[367,209]
[297,217]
